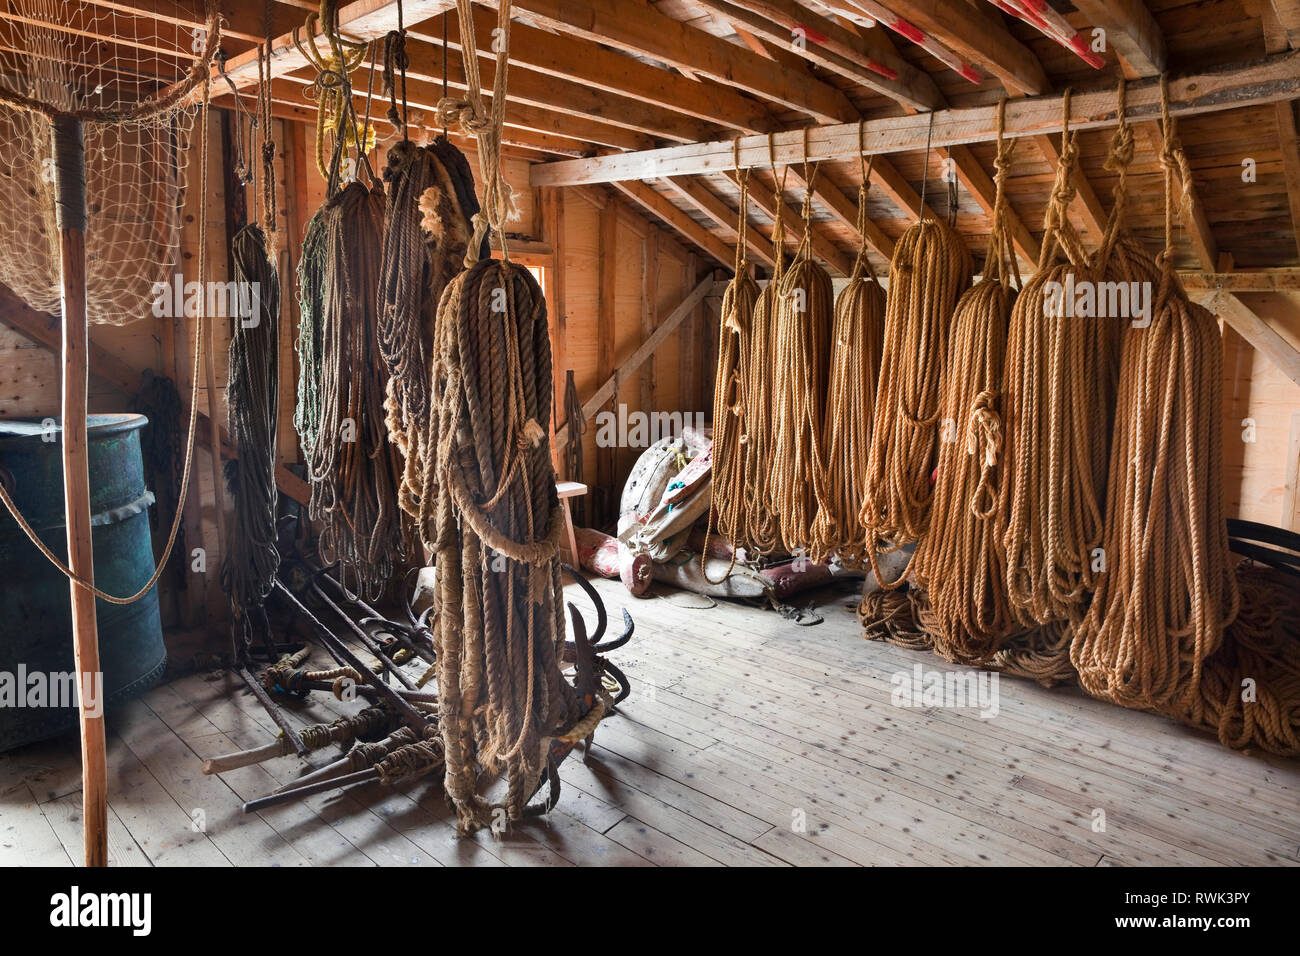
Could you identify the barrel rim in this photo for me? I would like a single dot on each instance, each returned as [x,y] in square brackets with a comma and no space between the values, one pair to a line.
[17,430]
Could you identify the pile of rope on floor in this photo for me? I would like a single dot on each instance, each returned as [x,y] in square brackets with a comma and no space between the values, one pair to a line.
[1076,527]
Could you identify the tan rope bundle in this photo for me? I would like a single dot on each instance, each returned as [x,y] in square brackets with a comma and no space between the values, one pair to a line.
[762,531]
[931,269]
[1160,610]
[857,339]
[1059,398]
[735,351]
[1250,688]
[804,315]
[959,562]
[491,518]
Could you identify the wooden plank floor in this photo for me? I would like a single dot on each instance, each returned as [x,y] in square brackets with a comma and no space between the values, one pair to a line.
[748,740]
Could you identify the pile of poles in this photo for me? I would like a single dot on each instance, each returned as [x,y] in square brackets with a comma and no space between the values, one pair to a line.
[1059,477]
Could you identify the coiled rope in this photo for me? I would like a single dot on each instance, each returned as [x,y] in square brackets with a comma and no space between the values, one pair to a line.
[1160,610]
[930,270]
[959,561]
[857,341]
[805,302]
[252,398]
[1059,399]
[489,509]
[762,531]
[426,235]
[730,419]
[340,418]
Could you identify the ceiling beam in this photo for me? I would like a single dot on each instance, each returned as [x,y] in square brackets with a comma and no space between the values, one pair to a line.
[1270,80]
[659,206]
[1287,13]
[840,51]
[563,56]
[642,30]
[1131,31]
[713,206]
[1255,330]
[970,31]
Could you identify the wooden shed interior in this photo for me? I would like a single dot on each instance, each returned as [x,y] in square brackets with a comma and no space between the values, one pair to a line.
[650,147]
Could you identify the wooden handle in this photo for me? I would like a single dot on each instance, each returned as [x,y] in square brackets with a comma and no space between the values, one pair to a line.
[70,192]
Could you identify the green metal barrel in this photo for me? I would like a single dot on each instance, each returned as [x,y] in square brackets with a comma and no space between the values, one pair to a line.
[35,606]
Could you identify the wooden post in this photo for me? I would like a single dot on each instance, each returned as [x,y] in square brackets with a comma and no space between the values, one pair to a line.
[70,190]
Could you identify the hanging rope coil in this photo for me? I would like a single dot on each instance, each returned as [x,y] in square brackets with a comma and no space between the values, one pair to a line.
[804,306]
[252,400]
[491,516]
[340,419]
[426,236]
[1169,591]
[857,341]
[762,531]
[1059,399]
[730,418]
[930,270]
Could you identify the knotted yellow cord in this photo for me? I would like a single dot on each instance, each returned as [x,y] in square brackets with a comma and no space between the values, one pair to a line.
[858,336]
[804,315]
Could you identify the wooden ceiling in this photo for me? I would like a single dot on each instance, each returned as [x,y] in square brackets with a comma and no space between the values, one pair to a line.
[589,77]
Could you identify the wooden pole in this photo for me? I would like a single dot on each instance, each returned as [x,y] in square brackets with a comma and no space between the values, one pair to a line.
[70,190]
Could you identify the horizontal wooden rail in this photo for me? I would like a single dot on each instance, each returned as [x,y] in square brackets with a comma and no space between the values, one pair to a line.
[1269,80]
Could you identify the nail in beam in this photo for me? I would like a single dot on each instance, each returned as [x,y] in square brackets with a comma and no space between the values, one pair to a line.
[1269,80]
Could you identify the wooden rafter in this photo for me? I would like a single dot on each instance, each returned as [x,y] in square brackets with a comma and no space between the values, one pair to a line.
[658,205]
[968,30]
[1255,330]
[1131,31]
[641,29]
[841,51]
[721,212]
[561,55]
